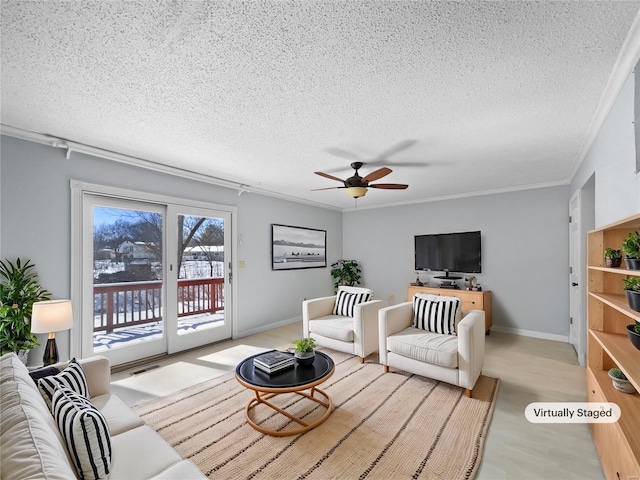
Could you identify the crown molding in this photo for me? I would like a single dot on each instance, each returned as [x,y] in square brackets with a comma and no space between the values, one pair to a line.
[76,147]
[456,196]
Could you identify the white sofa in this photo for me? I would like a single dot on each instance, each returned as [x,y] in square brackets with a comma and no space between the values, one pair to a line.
[357,335]
[455,359]
[31,445]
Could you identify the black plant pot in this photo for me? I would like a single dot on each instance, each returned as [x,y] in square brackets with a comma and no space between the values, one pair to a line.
[612,262]
[633,336]
[633,299]
[632,263]
[305,359]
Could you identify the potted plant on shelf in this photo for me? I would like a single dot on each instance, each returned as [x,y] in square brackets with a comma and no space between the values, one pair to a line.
[631,247]
[19,290]
[305,351]
[620,381]
[612,257]
[632,291]
[634,334]
[345,272]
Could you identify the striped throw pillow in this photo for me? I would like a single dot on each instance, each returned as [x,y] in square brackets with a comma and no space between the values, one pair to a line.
[435,313]
[346,302]
[72,377]
[85,431]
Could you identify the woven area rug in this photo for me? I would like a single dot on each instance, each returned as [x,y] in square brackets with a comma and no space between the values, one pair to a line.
[383,426]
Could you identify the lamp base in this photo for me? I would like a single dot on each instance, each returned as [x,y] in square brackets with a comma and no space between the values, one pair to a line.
[50,352]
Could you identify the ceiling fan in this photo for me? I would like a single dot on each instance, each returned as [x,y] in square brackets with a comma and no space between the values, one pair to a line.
[378,160]
[356,186]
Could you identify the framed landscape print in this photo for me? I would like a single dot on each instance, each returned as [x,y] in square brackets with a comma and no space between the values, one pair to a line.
[297,247]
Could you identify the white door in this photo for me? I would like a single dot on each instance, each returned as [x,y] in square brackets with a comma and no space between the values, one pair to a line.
[576,325]
[198,277]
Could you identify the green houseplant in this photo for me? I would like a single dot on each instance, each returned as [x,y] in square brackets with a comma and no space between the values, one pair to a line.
[633,331]
[345,272]
[612,257]
[19,290]
[631,247]
[305,351]
[632,290]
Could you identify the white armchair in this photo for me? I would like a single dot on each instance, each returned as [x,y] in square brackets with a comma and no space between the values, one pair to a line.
[357,334]
[455,359]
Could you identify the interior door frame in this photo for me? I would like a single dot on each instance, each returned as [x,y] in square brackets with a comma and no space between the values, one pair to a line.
[78,190]
[577,325]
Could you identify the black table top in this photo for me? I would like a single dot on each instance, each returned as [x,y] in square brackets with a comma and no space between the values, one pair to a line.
[291,377]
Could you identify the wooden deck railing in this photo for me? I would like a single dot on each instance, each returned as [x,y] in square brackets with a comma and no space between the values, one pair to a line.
[127,304]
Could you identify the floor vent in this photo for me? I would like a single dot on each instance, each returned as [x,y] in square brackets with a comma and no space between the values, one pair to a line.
[145,370]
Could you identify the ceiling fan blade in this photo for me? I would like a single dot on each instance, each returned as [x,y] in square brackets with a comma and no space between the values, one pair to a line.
[327,188]
[331,177]
[398,147]
[376,174]
[389,186]
[343,153]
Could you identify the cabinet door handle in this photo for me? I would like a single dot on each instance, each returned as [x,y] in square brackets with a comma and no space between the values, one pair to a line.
[574,284]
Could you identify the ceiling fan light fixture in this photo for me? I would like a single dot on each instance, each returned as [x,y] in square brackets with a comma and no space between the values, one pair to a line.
[356,192]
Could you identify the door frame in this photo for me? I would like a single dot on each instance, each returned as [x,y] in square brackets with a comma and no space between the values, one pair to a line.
[78,190]
[577,327]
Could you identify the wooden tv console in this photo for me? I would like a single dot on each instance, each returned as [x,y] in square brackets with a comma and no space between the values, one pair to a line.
[470,300]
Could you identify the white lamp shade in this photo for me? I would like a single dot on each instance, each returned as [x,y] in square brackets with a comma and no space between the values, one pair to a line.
[51,316]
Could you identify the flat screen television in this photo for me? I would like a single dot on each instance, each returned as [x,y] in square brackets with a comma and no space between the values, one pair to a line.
[449,252]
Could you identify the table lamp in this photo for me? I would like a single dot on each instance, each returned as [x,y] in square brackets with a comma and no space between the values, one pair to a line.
[51,316]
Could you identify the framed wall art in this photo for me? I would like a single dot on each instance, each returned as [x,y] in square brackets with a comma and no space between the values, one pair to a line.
[297,247]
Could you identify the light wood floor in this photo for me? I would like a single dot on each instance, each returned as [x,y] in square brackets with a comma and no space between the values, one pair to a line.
[530,370]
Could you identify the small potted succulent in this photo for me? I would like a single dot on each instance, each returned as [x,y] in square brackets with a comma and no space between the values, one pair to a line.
[620,381]
[305,351]
[632,291]
[631,247]
[612,257]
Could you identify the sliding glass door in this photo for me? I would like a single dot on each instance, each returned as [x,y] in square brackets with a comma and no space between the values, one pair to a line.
[155,277]
[123,292]
[199,276]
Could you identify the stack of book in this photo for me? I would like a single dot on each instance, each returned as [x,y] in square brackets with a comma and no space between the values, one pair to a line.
[274,361]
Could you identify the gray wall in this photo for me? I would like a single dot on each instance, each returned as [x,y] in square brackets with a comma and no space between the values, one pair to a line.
[612,158]
[271,298]
[35,223]
[524,252]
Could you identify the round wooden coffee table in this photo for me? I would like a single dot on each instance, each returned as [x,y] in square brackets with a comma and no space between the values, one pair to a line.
[294,380]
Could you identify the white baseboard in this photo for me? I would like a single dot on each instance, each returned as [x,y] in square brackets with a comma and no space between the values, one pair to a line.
[582,359]
[264,328]
[531,333]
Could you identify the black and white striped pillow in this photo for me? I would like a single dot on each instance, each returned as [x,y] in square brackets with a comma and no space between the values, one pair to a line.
[85,432]
[436,314]
[73,377]
[345,302]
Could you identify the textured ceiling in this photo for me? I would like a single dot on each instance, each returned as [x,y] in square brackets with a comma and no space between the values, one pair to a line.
[483,96]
